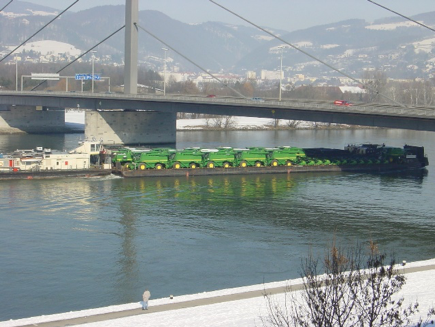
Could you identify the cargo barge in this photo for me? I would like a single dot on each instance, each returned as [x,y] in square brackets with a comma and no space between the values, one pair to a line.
[87,160]
[164,162]
[91,159]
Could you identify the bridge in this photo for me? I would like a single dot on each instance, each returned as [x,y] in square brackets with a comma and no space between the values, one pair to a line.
[131,118]
[375,115]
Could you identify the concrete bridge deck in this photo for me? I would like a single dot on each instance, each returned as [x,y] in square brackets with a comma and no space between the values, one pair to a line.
[151,119]
[380,115]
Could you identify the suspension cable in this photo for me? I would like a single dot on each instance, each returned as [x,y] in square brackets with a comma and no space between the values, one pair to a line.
[395,12]
[38,31]
[309,55]
[6,5]
[82,55]
[203,69]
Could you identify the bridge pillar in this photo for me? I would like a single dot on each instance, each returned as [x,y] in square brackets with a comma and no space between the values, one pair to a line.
[131,127]
[31,119]
[131,46]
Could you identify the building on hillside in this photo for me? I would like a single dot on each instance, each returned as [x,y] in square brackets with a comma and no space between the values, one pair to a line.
[272,74]
[251,75]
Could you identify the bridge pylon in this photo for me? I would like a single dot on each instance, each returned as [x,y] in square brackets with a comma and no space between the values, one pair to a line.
[131,46]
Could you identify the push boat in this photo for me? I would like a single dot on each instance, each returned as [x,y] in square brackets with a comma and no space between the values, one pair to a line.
[160,162]
[87,160]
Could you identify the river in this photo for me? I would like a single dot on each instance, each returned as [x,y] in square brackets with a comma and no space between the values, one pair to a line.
[71,244]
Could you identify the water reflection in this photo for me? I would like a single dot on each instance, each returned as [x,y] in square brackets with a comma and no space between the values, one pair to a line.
[222,188]
[128,276]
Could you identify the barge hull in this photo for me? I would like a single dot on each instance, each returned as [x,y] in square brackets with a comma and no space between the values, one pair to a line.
[374,168]
[51,174]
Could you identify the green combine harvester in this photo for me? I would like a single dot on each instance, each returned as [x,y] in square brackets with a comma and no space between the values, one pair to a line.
[222,157]
[286,156]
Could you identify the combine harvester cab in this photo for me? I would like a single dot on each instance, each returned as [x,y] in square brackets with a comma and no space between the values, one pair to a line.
[188,158]
[222,157]
[158,158]
[285,156]
[123,158]
[251,157]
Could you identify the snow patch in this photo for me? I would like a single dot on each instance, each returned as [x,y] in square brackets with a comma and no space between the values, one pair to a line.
[49,47]
[303,44]
[234,27]
[10,14]
[263,37]
[242,123]
[424,46]
[349,52]
[329,46]
[42,13]
[391,26]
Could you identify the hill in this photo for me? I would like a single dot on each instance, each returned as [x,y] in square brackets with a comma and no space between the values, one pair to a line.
[393,44]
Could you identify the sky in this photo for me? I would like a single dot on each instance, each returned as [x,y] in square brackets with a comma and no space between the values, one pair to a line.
[420,287]
[288,15]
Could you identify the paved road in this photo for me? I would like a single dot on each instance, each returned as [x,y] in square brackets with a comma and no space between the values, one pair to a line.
[189,304]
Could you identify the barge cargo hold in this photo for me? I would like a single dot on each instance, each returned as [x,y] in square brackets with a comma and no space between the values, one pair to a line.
[229,161]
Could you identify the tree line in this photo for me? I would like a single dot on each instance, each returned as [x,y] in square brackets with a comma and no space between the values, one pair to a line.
[376,85]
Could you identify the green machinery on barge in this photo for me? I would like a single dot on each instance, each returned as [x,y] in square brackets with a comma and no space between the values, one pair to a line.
[366,156]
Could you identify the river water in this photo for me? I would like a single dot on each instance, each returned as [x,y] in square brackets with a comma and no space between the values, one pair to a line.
[72,244]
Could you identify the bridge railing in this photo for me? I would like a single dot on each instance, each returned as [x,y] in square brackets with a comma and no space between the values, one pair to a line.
[382,109]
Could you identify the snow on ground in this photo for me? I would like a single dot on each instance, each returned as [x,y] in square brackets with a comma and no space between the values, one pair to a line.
[236,123]
[75,116]
[391,26]
[329,46]
[424,45]
[49,47]
[420,287]
[78,117]
[10,14]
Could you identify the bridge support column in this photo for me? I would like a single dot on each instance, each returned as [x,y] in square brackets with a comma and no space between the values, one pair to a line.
[31,119]
[131,127]
[131,46]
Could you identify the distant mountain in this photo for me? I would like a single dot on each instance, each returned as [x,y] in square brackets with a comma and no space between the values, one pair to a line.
[393,44]
[23,8]
[396,45]
[213,45]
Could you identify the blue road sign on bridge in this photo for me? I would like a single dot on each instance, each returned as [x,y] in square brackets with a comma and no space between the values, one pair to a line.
[87,77]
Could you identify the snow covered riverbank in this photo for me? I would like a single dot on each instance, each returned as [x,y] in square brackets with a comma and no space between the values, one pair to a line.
[243,306]
[235,123]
